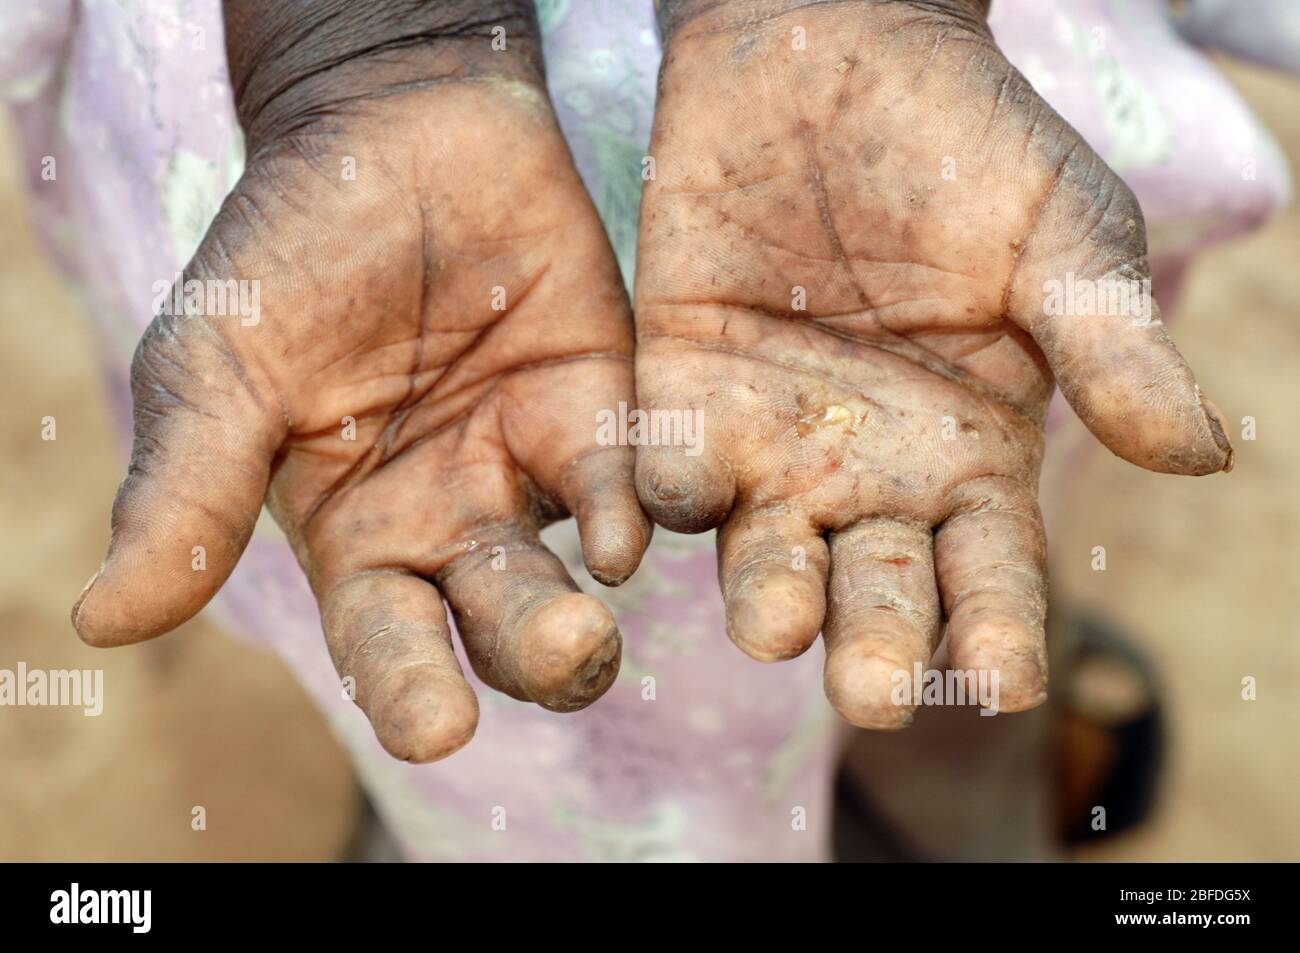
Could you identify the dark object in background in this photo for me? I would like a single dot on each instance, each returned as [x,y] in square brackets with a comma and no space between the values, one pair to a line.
[1108,735]
[1111,735]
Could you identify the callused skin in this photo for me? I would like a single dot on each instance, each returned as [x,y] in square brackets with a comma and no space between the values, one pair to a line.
[441,321]
[841,264]
[843,254]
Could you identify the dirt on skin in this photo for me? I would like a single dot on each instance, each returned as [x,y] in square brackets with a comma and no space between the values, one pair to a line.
[1202,572]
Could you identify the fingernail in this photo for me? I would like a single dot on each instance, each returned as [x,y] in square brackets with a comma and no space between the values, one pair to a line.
[1218,429]
[85,591]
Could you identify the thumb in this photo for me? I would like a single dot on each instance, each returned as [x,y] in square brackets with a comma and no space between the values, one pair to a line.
[200,463]
[1082,289]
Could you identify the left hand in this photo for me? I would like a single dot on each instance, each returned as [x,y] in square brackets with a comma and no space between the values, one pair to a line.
[842,264]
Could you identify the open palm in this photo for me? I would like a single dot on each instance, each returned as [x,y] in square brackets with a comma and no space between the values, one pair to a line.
[843,259]
[441,319]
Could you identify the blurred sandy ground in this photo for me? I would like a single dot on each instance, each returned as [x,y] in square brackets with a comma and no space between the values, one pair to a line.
[1204,571]
[193,719]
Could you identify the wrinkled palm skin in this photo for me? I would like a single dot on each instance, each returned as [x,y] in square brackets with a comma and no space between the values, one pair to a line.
[438,333]
[841,262]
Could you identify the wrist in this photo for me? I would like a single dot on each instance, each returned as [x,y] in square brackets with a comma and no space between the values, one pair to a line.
[293,62]
[675,15]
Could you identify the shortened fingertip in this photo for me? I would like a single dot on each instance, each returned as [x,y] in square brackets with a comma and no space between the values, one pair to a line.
[861,687]
[570,652]
[684,494]
[424,714]
[613,547]
[776,616]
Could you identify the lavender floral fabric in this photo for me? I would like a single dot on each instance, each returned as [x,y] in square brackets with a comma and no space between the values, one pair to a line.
[697,752]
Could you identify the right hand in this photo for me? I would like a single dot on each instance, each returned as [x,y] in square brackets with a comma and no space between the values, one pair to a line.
[474,427]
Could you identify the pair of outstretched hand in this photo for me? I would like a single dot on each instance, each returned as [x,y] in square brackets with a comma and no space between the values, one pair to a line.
[841,262]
